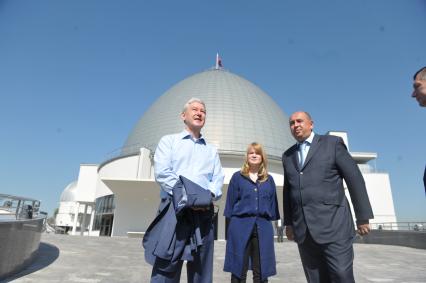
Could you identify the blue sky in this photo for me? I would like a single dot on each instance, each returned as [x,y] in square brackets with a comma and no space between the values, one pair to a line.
[75,76]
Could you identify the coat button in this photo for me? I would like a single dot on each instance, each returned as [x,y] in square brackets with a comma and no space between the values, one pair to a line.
[301,173]
[255,189]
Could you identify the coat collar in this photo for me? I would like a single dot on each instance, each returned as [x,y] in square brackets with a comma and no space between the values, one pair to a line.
[312,150]
[186,135]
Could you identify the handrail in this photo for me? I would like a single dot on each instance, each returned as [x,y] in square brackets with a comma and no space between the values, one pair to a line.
[18,207]
[400,226]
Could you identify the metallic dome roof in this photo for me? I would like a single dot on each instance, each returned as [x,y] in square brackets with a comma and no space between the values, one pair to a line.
[238,113]
[69,194]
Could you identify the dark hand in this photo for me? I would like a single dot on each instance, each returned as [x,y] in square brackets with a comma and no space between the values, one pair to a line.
[289,233]
[363,229]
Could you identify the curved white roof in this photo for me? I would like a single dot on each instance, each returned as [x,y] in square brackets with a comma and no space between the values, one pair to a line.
[238,113]
[69,194]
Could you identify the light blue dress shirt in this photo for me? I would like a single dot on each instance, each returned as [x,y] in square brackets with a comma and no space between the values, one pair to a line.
[305,149]
[181,154]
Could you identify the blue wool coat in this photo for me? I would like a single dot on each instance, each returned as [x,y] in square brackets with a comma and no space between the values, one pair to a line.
[247,204]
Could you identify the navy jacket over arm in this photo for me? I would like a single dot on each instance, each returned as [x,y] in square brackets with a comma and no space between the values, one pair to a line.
[176,231]
[189,194]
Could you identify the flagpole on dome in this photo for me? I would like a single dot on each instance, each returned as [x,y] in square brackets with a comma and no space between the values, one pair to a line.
[218,62]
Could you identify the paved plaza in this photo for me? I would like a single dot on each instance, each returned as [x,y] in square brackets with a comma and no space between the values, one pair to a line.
[65,258]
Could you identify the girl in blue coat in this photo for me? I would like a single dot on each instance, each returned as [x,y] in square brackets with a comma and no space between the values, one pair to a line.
[251,205]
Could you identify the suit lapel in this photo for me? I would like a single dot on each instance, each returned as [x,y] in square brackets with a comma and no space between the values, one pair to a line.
[295,158]
[312,150]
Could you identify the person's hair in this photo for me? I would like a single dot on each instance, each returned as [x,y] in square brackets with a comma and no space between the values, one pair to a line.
[192,100]
[423,73]
[262,174]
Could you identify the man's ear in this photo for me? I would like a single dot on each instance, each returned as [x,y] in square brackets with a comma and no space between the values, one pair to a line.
[182,116]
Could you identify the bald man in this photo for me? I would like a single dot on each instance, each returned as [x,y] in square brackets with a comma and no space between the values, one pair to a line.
[317,214]
[419,94]
[419,86]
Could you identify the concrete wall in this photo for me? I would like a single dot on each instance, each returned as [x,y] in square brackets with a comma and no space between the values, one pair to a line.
[121,168]
[136,204]
[66,213]
[86,184]
[19,242]
[380,194]
[412,239]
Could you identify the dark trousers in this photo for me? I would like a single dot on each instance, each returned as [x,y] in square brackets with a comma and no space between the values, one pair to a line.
[252,251]
[331,262]
[200,270]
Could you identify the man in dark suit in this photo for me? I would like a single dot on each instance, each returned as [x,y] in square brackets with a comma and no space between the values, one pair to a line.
[419,86]
[419,93]
[317,214]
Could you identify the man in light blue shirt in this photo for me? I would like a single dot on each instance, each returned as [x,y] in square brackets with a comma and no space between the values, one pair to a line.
[188,154]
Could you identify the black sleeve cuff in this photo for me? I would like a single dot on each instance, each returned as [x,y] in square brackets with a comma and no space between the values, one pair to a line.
[362,222]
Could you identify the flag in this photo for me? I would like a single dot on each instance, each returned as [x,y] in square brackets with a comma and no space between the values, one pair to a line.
[218,61]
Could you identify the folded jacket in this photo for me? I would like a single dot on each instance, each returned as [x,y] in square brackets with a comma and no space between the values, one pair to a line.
[186,194]
[169,238]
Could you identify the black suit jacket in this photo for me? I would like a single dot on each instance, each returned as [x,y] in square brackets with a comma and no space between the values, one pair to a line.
[314,196]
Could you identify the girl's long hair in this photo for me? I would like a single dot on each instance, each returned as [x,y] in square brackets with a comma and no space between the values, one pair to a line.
[262,174]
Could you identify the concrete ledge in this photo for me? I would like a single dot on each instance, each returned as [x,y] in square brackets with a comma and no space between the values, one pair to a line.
[19,243]
[135,234]
[412,239]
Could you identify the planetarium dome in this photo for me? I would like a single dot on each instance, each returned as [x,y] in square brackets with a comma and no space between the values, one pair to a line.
[69,194]
[238,113]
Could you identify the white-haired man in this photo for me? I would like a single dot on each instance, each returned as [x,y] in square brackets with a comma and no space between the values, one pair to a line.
[186,154]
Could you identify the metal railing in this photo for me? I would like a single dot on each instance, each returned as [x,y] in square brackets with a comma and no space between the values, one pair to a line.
[15,207]
[400,226]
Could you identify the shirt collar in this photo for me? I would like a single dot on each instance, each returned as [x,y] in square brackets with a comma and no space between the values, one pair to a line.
[309,139]
[186,135]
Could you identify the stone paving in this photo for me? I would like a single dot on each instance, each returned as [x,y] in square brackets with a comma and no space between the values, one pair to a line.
[65,258]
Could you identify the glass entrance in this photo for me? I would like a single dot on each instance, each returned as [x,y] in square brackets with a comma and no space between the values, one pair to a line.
[106,225]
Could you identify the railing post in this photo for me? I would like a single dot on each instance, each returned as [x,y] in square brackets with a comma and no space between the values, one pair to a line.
[17,209]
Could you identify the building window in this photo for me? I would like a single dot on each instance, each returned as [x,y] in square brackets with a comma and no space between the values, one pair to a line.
[104,212]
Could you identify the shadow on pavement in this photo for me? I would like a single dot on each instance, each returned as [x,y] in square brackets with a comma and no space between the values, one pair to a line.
[46,255]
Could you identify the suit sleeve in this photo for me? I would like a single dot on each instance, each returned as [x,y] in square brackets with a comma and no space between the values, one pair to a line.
[286,199]
[355,182]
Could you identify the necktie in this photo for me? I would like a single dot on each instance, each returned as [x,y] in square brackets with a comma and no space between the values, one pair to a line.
[302,152]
